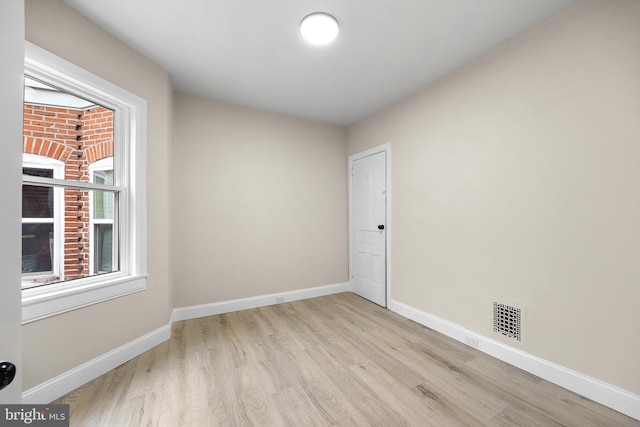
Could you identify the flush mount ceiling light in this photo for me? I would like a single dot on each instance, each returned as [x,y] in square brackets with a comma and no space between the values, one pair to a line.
[319,28]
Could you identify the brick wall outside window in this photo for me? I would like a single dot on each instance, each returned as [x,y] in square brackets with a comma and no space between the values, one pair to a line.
[77,138]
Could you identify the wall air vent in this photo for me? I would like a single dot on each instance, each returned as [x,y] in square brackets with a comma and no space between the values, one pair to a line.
[507,320]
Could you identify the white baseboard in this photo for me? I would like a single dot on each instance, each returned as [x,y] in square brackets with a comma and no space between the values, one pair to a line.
[599,391]
[203,310]
[596,390]
[76,377]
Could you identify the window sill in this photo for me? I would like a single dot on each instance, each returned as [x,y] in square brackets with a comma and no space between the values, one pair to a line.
[42,302]
[36,281]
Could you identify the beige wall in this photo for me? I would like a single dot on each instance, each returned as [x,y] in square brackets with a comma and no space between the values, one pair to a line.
[260,203]
[516,179]
[60,343]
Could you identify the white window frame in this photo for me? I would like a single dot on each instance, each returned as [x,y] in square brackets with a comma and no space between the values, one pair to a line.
[130,133]
[42,162]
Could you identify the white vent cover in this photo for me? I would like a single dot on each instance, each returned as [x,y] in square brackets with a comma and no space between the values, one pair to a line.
[507,320]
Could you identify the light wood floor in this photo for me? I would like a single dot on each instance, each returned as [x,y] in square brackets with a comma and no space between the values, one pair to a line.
[335,360]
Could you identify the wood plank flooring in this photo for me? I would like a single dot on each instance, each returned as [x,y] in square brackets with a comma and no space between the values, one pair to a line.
[337,360]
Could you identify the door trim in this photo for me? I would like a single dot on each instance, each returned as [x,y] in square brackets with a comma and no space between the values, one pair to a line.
[388,223]
[11,94]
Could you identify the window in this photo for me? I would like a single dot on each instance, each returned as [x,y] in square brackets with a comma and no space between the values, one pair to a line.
[103,250]
[41,223]
[84,207]
[77,135]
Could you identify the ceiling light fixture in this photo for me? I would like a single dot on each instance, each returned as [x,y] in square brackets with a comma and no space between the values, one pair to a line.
[319,28]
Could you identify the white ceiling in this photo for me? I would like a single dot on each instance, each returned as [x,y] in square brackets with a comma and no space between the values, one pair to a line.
[249,52]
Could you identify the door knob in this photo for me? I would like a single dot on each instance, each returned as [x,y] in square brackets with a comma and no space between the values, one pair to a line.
[381,227]
[7,373]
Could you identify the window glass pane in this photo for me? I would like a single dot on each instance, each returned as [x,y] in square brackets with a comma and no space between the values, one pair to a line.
[87,245]
[103,205]
[69,138]
[103,202]
[37,202]
[103,177]
[41,172]
[103,248]
[64,127]
[88,237]
[37,248]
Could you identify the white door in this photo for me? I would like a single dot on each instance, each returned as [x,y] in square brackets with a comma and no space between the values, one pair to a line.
[11,72]
[368,227]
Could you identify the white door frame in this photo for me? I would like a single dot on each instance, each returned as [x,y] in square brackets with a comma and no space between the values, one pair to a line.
[388,223]
[11,75]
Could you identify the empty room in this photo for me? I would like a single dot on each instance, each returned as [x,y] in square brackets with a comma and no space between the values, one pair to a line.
[217,214]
